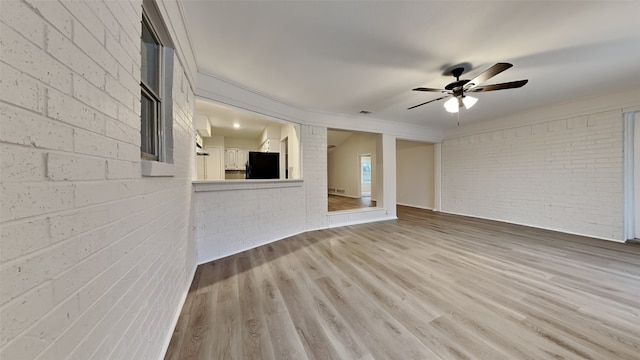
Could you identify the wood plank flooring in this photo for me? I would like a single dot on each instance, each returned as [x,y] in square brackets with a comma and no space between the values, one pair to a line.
[337,202]
[425,286]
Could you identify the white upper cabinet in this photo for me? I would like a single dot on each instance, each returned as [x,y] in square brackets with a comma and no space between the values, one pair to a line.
[235,159]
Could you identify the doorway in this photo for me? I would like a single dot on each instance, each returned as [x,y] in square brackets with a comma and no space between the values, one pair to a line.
[284,158]
[365,174]
[352,166]
[415,174]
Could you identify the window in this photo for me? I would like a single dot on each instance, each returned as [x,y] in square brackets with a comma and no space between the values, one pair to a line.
[150,84]
[366,169]
[156,81]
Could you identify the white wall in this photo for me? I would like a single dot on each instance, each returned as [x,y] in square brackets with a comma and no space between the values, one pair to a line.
[343,168]
[216,140]
[415,175]
[387,174]
[232,217]
[241,143]
[95,259]
[214,146]
[558,168]
[270,132]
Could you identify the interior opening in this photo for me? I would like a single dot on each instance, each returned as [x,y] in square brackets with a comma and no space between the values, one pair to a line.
[351,169]
[365,175]
[284,151]
[415,174]
[233,144]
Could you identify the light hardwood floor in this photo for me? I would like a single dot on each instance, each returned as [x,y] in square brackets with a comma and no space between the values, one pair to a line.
[427,286]
[337,203]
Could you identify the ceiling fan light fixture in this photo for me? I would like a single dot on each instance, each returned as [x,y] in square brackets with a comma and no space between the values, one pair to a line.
[469,101]
[451,105]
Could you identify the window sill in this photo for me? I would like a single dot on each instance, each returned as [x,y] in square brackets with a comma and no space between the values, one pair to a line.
[250,184]
[156,169]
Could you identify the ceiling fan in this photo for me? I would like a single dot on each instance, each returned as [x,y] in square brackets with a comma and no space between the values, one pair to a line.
[458,89]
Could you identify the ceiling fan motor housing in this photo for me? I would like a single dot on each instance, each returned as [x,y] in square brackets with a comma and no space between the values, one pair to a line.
[456,84]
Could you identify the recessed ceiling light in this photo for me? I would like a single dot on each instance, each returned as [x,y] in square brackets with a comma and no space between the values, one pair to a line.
[236,125]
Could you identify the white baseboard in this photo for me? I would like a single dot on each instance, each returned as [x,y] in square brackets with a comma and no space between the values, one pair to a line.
[534,226]
[362,221]
[416,206]
[345,195]
[207,260]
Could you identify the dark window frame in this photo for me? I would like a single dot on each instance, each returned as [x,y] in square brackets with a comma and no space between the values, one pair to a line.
[156,121]
[150,132]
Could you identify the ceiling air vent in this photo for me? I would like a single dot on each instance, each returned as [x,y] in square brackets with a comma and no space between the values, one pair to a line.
[365,112]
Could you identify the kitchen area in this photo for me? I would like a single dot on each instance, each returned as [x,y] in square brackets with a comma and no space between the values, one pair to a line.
[232,188]
[234,145]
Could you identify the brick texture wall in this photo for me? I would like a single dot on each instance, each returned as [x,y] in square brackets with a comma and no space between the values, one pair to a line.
[563,175]
[231,221]
[94,259]
[314,172]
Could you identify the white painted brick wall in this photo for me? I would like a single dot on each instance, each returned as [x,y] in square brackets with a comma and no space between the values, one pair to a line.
[563,175]
[67,167]
[94,258]
[231,221]
[314,171]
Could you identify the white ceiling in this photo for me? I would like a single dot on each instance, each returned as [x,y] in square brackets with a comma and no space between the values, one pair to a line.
[346,56]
